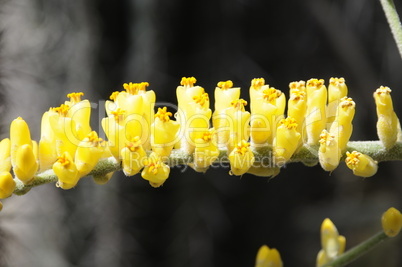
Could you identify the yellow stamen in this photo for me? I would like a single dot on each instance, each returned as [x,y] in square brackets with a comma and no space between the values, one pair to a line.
[134,88]
[326,137]
[315,83]
[63,160]
[290,123]
[114,95]
[62,110]
[207,136]
[118,114]
[352,159]
[188,81]
[75,97]
[225,85]
[347,102]
[242,147]
[337,81]
[134,144]
[297,94]
[271,94]
[383,90]
[201,99]
[239,104]
[300,85]
[163,114]
[257,83]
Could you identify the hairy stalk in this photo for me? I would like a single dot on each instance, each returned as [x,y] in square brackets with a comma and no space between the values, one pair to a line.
[393,21]
[306,154]
[357,251]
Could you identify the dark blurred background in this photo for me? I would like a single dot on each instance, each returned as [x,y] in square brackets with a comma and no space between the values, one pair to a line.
[50,48]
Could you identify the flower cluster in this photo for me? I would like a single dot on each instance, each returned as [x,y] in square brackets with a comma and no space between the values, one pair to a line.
[143,141]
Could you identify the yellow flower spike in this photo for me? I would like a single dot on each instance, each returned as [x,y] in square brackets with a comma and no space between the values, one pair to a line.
[75,97]
[330,239]
[26,164]
[5,155]
[297,106]
[267,257]
[88,153]
[7,184]
[163,133]
[66,171]
[362,165]
[388,122]
[206,151]
[329,153]
[19,135]
[342,125]
[286,140]
[391,222]
[133,157]
[316,110]
[155,171]
[241,158]
[114,95]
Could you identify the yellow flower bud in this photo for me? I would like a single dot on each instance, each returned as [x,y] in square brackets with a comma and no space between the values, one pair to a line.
[241,158]
[297,106]
[163,133]
[267,257]
[387,123]
[206,151]
[155,171]
[342,126]
[66,171]
[286,140]
[47,143]
[329,153]
[316,110]
[19,135]
[133,157]
[391,222]
[332,243]
[25,164]
[322,258]
[361,164]
[5,155]
[88,153]
[7,184]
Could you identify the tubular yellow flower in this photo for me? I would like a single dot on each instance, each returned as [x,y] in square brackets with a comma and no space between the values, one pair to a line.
[133,157]
[257,87]
[7,184]
[297,106]
[241,158]
[337,90]
[225,93]
[80,112]
[342,126]
[88,153]
[115,130]
[267,257]
[236,126]
[316,110]
[329,153]
[5,155]
[47,143]
[286,140]
[206,151]
[391,222]
[66,171]
[19,135]
[25,164]
[163,133]
[388,123]
[155,171]
[361,164]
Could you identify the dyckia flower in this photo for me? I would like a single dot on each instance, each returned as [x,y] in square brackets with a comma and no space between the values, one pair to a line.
[7,184]
[337,90]
[342,126]
[66,171]
[391,222]
[361,164]
[206,151]
[286,140]
[237,124]
[163,133]
[5,155]
[388,126]
[332,243]
[297,105]
[329,152]
[155,171]
[316,110]
[47,143]
[267,257]
[115,128]
[88,153]
[133,157]
[80,112]
[241,158]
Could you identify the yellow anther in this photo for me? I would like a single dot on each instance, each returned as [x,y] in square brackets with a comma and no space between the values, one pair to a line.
[207,136]
[225,85]
[326,137]
[239,104]
[114,95]
[143,86]
[133,88]
[118,114]
[201,99]
[383,90]
[317,83]
[347,102]
[296,94]
[64,161]
[290,123]
[337,81]
[257,83]
[188,81]
[271,94]
[361,164]
[163,114]
[93,138]
[62,110]
[300,85]
[75,97]
[352,159]
[242,147]
[134,144]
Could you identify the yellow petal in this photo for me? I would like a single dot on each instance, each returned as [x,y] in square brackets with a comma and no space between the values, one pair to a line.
[391,222]
[5,155]
[66,171]
[25,164]
[7,184]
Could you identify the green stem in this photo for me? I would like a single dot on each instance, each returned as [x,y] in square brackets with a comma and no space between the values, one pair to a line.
[357,251]
[393,21]
[306,154]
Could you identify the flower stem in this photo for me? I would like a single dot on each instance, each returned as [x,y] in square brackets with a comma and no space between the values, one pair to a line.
[357,251]
[393,21]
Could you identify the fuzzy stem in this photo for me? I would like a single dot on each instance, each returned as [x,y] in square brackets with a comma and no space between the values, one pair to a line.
[306,154]
[359,250]
[394,22]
